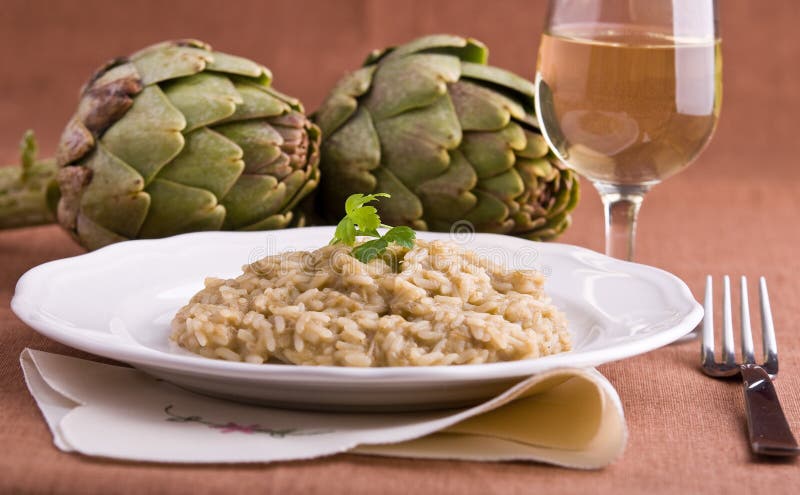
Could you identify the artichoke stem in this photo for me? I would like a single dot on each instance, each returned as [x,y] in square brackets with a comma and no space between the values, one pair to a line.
[29,191]
[28,195]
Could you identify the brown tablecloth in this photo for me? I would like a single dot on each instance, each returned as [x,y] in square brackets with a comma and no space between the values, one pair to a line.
[735,211]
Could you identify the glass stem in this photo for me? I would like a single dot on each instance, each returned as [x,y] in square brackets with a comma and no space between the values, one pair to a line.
[622,205]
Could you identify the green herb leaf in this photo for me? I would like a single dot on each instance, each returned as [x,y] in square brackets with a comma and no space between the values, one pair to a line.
[345,232]
[370,250]
[366,217]
[359,219]
[356,201]
[370,233]
[363,220]
[404,236]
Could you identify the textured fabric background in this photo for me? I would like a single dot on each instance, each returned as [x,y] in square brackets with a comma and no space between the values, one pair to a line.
[734,211]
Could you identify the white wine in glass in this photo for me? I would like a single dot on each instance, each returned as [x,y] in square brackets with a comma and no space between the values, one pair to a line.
[628,94]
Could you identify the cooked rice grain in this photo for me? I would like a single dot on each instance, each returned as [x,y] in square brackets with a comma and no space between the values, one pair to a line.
[444,305]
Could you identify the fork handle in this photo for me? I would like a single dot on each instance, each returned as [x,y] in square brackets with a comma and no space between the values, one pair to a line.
[769,431]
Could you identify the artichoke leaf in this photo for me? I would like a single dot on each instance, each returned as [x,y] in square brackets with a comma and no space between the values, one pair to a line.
[480,109]
[291,101]
[537,169]
[415,144]
[467,49]
[256,103]
[490,214]
[500,77]
[408,83]
[108,98]
[515,87]
[76,142]
[473,51]
[231,64]
[563,198]
[405,209]
[355,147]
[293,137]
[272,222]
[305,183]
[342,101]
[152,119]
[292,129]
[555,225]
[170,60]
[449,195]
[176,209]
[505,186]
[259,141]
[572,183]
[525,222]
[94,236]
[349,155]
[253,198]
[535,146]
[492,153]
[440,225]
[292,184]
[114,196]
[203,99]
[208,161]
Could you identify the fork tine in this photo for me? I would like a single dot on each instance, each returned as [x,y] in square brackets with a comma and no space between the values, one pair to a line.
[708,323]
[727,323]
[747,332]
[768,329]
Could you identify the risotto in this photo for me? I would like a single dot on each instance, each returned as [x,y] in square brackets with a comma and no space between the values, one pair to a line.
[433,304]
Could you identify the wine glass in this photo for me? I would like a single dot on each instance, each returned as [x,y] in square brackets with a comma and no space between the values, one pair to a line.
[628,93]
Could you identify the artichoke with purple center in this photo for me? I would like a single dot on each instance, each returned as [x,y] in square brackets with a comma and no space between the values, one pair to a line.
[175,138]
[451,138]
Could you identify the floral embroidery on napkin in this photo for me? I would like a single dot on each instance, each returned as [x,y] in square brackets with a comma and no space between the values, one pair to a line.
[233,427]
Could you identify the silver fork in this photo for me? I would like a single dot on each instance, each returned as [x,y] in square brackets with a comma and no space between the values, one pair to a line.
[769,431]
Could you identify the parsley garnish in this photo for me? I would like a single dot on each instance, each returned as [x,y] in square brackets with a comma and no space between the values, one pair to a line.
[363,220]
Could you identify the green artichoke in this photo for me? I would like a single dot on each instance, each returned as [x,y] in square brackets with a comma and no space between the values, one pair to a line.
[451,138]
[179,138]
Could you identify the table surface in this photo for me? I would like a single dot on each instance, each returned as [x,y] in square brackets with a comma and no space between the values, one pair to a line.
[735,211]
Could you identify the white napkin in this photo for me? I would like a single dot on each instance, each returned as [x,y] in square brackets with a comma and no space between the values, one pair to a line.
[568,417]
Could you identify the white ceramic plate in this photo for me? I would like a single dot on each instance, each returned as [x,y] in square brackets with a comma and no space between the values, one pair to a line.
[118,302]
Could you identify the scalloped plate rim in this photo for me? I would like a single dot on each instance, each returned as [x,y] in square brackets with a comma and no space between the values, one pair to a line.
[23,304]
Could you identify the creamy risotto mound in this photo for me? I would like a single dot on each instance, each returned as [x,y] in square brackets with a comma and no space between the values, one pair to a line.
[434,304]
